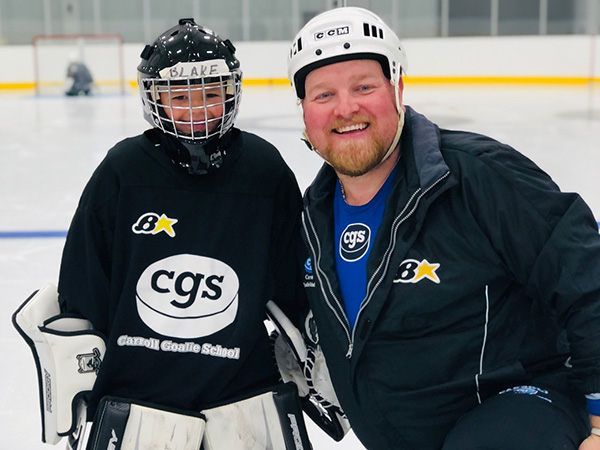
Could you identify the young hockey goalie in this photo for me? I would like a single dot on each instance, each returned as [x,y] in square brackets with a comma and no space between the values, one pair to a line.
[181,237]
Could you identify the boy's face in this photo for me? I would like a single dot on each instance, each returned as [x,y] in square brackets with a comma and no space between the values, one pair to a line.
[196,111]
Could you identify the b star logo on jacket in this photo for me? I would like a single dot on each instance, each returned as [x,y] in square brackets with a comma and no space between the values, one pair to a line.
[413,271]
[152,223]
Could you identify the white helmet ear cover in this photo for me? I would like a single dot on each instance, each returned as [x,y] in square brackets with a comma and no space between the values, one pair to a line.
[344,34]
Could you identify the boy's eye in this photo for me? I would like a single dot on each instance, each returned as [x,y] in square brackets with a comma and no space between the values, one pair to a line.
[178,97]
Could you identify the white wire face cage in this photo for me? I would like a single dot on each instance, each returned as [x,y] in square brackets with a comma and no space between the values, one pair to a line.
[193,109]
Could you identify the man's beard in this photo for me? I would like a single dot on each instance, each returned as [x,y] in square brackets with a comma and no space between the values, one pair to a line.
[355,157]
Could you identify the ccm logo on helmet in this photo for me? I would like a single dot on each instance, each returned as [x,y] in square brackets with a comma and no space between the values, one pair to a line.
[187,296]
[332,32]
[354,241]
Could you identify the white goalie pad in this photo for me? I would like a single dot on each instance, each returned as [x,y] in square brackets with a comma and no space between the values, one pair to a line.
[271,420]
[67,353]
[305,365]
[127,425]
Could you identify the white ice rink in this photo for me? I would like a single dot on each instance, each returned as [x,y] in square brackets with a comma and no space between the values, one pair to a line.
[51,145]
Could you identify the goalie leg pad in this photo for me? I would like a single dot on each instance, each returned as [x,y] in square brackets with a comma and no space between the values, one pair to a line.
[67,353]
[121,424]
[271,420]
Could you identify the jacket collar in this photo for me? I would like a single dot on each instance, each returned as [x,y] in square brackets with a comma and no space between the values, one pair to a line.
[422,141]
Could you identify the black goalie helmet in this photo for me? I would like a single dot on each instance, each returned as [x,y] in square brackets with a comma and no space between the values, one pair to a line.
[190,84]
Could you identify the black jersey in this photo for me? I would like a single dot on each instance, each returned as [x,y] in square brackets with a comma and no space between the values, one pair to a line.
[175,269]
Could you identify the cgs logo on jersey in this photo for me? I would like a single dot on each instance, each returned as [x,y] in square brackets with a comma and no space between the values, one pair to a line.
[413,271]
[187,296]
[354,242]
[152,223]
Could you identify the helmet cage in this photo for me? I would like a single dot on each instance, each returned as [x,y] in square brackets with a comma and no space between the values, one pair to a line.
[227,88]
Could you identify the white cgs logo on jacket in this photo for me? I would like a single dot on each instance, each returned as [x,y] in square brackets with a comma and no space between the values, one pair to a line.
[187,296]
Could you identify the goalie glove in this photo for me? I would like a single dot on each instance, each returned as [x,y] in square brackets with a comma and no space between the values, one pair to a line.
[305,366]
[67,354]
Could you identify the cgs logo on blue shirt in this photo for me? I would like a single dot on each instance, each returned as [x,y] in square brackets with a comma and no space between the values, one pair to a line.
[354,242]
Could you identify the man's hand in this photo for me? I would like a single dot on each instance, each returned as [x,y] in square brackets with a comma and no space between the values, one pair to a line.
[592,442]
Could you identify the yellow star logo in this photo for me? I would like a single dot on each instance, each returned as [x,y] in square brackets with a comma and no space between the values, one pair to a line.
[426,270]
[165,224]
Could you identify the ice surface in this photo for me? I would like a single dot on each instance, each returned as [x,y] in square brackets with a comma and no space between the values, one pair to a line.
[51,145]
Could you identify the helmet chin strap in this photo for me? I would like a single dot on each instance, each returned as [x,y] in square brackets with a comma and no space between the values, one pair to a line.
[197,158]
[396,137]
[400,122]
[306,140]
[203,157]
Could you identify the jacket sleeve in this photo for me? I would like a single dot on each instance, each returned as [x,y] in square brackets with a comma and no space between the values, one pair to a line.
[550,244]
[567,275]
[84,278]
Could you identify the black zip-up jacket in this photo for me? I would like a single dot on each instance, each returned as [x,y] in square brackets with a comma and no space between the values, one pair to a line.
[482,276]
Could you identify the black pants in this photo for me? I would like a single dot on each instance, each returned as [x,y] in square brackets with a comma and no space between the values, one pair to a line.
[522,418]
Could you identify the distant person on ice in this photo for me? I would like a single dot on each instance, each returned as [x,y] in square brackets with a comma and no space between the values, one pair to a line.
[79,78]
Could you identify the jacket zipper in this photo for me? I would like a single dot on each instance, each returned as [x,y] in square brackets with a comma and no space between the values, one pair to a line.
[343,321]
[400,219]
[385,261]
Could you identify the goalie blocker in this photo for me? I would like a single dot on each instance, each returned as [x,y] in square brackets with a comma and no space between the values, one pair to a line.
[67,353]
[302,362]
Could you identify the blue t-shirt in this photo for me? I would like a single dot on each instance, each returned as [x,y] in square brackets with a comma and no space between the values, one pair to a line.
[355,229]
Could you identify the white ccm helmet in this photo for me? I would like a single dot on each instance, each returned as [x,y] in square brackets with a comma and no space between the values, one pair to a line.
[344,34]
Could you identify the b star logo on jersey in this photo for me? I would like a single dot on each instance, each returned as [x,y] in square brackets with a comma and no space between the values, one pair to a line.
[152,223]
[413,271]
